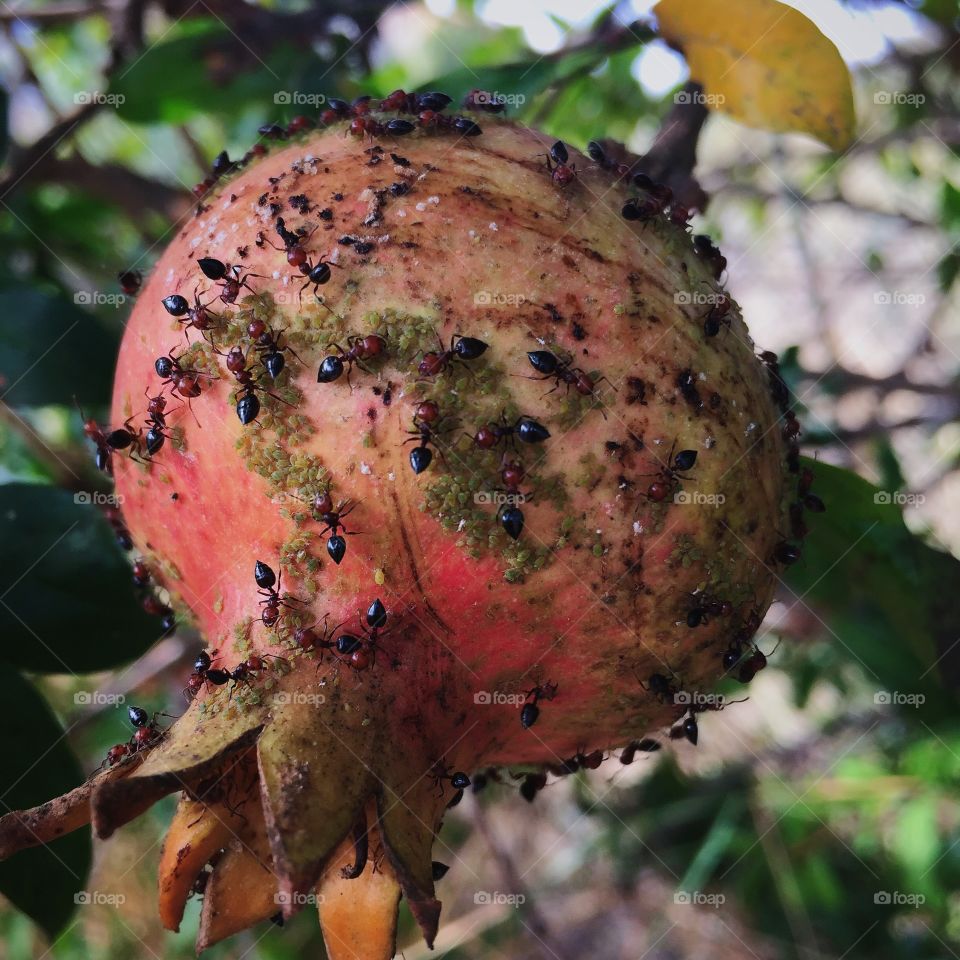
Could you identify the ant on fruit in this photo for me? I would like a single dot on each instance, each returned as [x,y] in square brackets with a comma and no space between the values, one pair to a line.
[269,346]
[251,667]
[358,350]
[707,251]
[461,348]
[550,365]
[230,286]
[317,273]
[509,514]
[205,672]
[333,523]
[654,202]
[184,382]
[561,172]
[530,711]
[122,438]
[269,584]
[307,639]
[424,433]
[718,315]
[440,771]
[661,686]
[130,281]
[146,731]
[705,608]
[374,626]
[526,429]
[629,752]
[248,403]
[688,729]
[196,316]
[670,473]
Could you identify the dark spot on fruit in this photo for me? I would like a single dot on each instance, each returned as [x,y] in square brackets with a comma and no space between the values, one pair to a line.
[363,247]
[262,200]
[578,332]
[325,214]
[337,197]
[300,203]
[638,391]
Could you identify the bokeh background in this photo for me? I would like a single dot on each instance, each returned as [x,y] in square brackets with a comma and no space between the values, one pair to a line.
[819,818]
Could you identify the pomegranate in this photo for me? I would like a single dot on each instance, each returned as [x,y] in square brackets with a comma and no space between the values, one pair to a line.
[456,463]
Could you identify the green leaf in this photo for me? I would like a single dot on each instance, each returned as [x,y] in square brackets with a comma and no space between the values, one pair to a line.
[52,351]
[68,604]
[885,592]
[37,765]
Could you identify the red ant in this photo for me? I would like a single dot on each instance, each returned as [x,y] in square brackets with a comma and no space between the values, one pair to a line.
[550,365]
[718,315]
[130,281]
[461,348]
[374,626]
[146,734]
[558,158]
[358,350]
[248,404]
[527,429]
[705,249]
[269,584]
[230,285]
[123,438]
[333,522]
[269,346]
[316,273]
[196,316]
[669,475]
[184,382]
[307,639]
[424,432]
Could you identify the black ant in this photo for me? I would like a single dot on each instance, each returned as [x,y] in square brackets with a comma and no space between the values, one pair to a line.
[156,423]
[706,608]
[529,712]
[307,639]
[688,729]
[184,382]
[661,686]
[122,438]
[718,315]
[655,200]
[550,365]
[146,731]
[706,250]
[269,584]
[316,273]
[670,473]
[646,745]
[196,316]
[525,428]
[230,285]
[358,350]
[510,515]
[248,403]
[558,158]
[440,772]
[461,348]
[424,432]
[130,281]
[374,626]
[333,520]
[270,348]
[205,672]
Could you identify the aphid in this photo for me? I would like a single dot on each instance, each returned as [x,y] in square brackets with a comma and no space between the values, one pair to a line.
[130,281]
[461,348]
[670,473]
[530,711]
[358,350]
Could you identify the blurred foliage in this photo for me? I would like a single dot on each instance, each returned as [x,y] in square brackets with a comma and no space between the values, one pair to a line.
[803,840]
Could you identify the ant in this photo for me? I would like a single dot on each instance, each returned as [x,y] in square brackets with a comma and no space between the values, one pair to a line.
[510,515]
[307,639]
[253,665]
[316,273]
[688,729]
[557,159]
[718,315]
[146,731]
[269,584]
[196,316]
[646,745]
[550,365]
[184,382]
[123,438]
[230,285]
[205,672]
[374,625]
[529,712]
[668,476]
[661,686]
[248,404]
[358,350]
[461,348]
[269,347]
[333,520]
[440,772]
[656,199]
[707,607]
[130,281]
[424,431]
[525,428]
[707,251]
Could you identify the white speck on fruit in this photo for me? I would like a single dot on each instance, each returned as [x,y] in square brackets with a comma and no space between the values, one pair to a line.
[421,207]
[637,528]
[493,226]
[434,200]
[365,469]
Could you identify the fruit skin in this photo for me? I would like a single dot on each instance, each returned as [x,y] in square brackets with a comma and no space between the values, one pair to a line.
[595,593]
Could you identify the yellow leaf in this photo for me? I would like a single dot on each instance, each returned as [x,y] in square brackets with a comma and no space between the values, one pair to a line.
[765,64]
